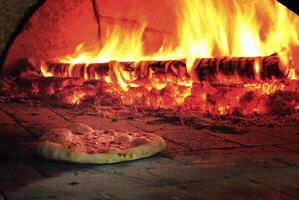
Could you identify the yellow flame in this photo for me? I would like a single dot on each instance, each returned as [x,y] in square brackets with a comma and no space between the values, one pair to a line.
[292,74]
[77,97]
[265,88]
[44,71]
[206,28]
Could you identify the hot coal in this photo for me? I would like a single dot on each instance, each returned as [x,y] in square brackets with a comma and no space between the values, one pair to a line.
[201,97]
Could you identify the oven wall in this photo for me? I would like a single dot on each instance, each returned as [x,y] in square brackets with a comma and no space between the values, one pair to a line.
[14,14]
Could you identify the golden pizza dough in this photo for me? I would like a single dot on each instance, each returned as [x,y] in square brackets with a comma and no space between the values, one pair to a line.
[81,144]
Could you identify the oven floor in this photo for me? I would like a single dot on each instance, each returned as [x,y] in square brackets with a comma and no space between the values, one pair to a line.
[199,163]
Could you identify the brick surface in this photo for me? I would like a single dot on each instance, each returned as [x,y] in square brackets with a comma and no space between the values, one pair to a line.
[103,123]
[291,160]
[18,172]
[283,181]
[287,133]
[232,188]
[92,186]
[197,164]
[148,124]
[258,156]
[5,119]
[292,147]
[38,120]
[253,137]
[15,152]
[195,139]
[11,134]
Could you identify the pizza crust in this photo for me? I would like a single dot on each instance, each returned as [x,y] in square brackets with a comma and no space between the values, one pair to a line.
[140,147]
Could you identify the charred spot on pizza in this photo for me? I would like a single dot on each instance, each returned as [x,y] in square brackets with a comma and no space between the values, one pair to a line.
[79,133]
[109,131]
[123,139]
[91,151]
[114,142]
[121,154]
[139,141]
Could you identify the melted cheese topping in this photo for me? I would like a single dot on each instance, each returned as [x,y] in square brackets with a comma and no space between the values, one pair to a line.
[97,141]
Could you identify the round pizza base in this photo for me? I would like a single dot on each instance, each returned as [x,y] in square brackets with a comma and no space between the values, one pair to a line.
[56,151]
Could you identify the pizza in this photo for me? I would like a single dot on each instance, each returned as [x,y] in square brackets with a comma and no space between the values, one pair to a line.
[79,143]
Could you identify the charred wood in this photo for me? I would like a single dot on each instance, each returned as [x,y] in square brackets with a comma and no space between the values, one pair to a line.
[246,69]
[251,68]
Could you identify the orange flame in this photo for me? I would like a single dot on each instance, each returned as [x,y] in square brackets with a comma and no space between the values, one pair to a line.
[204,29]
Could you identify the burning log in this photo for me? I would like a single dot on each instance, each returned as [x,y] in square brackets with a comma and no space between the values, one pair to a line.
[76,70]
[142,69]
[250,68]
[206,69]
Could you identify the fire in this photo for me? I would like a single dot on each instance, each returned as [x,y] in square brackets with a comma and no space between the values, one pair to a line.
[265,88]
[205,29]
[77,97]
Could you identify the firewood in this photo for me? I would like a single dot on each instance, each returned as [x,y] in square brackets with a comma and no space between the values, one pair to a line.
[142,69]
[206,69]
[269,68]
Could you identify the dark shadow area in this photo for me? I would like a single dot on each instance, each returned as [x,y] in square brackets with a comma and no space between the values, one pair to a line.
[292,5]
[19,28]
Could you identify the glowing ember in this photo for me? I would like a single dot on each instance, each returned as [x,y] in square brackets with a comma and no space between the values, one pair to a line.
[176,75]
[77,97]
